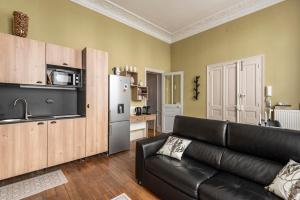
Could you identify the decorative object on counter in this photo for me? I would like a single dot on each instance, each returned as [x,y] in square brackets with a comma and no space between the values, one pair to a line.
[196,87]
[134,69]
[131,69]
[146,110]
[131,80]
[20,24]
[126,68]
[116,71]
[138,111]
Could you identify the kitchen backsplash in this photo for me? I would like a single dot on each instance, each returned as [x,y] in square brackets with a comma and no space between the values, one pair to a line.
[60,102]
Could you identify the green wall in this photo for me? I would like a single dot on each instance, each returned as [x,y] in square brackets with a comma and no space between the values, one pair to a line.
[274,32]
[65,23]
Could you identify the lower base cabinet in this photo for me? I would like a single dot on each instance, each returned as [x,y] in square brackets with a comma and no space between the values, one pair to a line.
[23,148]
[66,140]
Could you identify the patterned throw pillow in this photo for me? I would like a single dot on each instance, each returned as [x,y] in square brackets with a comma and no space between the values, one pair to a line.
[287,183]
[174,147]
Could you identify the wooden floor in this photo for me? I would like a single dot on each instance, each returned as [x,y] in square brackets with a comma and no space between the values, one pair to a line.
[98,177]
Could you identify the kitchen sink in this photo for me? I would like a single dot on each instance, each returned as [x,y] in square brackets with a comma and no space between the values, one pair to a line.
[11,120]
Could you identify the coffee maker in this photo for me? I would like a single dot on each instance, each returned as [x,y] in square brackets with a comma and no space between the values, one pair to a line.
[146,110]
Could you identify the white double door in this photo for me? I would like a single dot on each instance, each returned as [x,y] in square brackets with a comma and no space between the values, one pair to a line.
[235,90]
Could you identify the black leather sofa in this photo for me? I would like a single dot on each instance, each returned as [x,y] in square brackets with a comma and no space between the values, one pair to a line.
[225,161]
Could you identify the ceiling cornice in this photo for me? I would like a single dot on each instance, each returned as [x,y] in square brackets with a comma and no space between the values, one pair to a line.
[122,15]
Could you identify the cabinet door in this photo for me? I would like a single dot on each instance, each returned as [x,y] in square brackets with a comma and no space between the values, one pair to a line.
[23,148]
[66,140]
[96,65]
[63,56]
[22,60]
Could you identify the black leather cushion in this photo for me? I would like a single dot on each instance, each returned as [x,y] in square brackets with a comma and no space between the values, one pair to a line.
[225,186]
[253,168]
[210,131]
[206,153]
[185,175]
[272,143]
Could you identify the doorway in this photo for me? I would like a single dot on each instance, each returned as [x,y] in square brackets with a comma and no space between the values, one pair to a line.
[154,100]
[172,99]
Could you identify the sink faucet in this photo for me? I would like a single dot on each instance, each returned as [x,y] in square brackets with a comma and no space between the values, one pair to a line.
[26,114]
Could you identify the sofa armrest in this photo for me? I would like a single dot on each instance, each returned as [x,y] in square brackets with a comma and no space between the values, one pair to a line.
[146,148]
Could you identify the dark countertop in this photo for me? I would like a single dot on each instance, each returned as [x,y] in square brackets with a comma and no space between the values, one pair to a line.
[42,118]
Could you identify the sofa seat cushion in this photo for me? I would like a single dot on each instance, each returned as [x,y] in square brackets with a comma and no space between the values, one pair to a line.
[185,175]
[224,186]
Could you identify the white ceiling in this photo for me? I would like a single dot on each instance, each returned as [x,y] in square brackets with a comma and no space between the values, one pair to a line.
[173,20]
[173,15]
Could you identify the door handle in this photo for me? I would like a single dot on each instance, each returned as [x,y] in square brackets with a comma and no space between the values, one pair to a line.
[110,133]
[88,105]
[39,82]
[65,64]
[40,123]
[53,122]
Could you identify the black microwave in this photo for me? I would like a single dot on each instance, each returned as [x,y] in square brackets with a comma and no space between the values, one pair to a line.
[65,78]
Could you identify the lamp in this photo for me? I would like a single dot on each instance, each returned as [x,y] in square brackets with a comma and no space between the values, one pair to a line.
[268,94]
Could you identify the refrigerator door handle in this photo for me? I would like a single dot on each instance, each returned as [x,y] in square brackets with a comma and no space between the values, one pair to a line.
[110,130]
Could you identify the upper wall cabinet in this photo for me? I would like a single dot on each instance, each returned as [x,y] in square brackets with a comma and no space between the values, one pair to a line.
[22,60]
[63,56]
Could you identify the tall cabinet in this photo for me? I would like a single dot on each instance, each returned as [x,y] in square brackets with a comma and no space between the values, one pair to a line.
[95,63]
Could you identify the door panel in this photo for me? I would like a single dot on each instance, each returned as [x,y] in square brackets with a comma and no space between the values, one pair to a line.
[66,140]
[215,92]
[119,98]
[230,91]
[23,148]
[172,99]
[63,56]
[96,66]
[250,92]
[22,60]
[119,135]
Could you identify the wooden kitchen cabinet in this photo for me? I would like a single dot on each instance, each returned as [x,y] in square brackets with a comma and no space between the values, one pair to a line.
[66,140]
[95,63]
[63,56]
[23,148]
[22,60]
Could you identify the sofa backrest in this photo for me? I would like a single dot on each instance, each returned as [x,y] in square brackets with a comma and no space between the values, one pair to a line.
[258,153]
[209,131]
[208,138]
[271,143]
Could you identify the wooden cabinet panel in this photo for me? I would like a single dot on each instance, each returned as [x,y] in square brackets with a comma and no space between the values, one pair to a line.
[96,64]
[63,56]
[22,60]
[23,148]
[66,140]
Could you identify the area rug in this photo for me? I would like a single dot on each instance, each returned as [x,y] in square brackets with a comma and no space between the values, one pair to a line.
[32,186]
[121,197]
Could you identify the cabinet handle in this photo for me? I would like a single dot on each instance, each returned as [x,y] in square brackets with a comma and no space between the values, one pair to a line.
[53,122]
[88,105]
[39,82]
[40,123]
[65,63]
